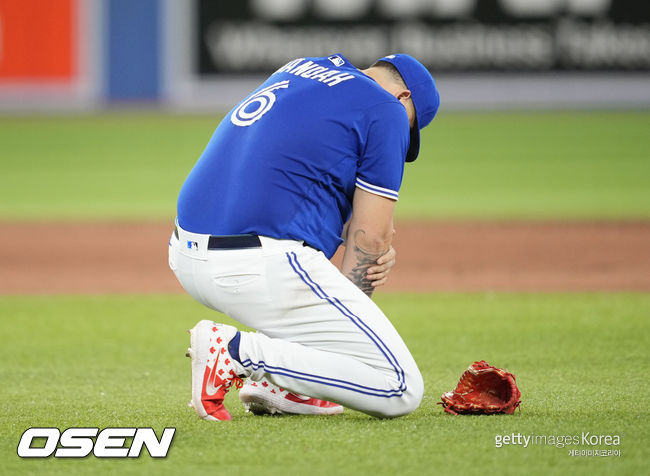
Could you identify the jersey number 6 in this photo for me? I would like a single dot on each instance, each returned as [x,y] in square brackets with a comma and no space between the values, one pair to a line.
[256,105]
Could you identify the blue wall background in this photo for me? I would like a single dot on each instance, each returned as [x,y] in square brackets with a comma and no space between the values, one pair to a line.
[133,58]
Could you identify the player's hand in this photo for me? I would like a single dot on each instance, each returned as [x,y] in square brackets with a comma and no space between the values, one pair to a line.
[377,274]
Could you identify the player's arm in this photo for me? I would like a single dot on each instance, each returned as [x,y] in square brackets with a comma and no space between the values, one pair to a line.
[368,238]
[378,273]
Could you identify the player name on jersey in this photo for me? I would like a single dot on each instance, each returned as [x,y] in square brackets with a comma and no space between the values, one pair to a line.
[310,70]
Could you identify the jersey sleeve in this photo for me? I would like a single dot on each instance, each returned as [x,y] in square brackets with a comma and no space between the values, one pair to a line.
[381,166]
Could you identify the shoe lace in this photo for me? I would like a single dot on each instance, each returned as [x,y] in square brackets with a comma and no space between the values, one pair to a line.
[235,380]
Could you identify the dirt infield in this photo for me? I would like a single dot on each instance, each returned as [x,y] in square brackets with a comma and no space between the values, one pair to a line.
[73,258]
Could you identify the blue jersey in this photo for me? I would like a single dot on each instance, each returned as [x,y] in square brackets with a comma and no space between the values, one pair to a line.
[286,160]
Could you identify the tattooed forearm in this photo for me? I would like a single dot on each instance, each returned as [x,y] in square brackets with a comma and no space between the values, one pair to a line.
[358,277]
[363,260]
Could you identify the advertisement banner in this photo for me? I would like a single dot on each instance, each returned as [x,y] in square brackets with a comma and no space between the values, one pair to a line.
[447,35]
[38,40]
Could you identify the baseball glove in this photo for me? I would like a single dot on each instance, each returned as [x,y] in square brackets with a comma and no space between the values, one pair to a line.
[483,389]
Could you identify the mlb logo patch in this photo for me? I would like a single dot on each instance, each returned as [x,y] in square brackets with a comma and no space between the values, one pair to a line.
[337,60]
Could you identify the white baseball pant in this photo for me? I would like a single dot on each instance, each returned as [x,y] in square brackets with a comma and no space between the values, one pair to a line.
[318,334]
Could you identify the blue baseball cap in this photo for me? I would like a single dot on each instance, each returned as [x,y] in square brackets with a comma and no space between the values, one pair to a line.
[424,94]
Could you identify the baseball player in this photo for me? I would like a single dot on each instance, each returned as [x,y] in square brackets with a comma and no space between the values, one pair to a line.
[319,145]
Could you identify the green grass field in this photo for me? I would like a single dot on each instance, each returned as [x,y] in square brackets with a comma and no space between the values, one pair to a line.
[575,165]
[581,363]
[581,359]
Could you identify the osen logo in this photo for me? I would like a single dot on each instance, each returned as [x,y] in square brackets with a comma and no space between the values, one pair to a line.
[80,442]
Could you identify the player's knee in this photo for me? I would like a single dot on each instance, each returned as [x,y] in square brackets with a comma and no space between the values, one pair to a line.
[406,403]
[413,395]
[401,406]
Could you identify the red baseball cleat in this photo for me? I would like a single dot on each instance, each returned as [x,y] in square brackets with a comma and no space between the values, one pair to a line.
[263,397]
[214,371]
